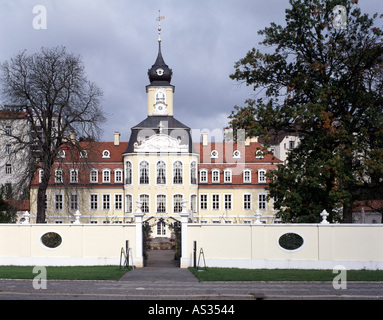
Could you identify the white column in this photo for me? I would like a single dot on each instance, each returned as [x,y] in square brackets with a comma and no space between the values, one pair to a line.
[184,263]
[139,259]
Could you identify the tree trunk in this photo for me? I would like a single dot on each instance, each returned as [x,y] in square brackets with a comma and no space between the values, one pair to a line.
[347,212]
[40,218]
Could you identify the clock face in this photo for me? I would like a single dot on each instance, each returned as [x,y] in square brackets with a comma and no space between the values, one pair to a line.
[160,109]
[160,71]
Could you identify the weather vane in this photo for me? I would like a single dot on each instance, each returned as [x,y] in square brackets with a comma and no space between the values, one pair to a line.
[159,24]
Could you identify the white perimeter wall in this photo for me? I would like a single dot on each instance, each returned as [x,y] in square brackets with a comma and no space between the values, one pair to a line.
[257,246]
[85,244]
[224,245]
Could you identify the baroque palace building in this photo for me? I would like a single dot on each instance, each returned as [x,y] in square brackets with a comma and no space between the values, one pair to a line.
[160,171]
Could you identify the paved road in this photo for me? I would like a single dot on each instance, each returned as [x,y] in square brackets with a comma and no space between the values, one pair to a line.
[169,290]
[162,280]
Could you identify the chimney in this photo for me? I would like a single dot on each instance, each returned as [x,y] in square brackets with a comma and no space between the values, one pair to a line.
[73,137]
[204,139]
[117,138]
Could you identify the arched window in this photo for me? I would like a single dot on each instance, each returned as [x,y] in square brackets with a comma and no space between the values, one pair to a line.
[177,203]
[144,172]
[177,172]
[262,176]
[161,172]
[193,173]
[215,176]
[128,174]
[106,175]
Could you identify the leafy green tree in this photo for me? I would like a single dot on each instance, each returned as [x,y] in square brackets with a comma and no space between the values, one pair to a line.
[325,83]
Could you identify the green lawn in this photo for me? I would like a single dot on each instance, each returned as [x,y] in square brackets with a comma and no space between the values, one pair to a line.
[232,274]
[65,273]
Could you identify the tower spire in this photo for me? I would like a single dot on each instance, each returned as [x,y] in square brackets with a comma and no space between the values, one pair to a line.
[159,25]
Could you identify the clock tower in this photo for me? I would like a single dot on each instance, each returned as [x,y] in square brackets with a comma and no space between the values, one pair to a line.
[160,91]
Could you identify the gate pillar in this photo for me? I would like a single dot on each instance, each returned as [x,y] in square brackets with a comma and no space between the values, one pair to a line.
[139,259]
[184,261]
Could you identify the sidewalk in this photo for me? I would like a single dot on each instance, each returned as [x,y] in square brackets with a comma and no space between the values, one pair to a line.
[161,267]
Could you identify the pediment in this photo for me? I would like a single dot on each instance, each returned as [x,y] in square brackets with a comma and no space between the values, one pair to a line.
[160,143]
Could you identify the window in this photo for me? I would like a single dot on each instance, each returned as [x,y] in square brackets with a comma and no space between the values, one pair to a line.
[144,199]
[203,176]
[61,154]
[8,130]
[58,176]
[247,202]
[214,154]
[94,176]
[203,201]
[259,154]
[144,172]
[261,176]
[161,172]
[177,203]
[83,154]
[129,203]
[291,145]
[106,154]
[193,173]
[73,176]
[41,173]
[193,203]
[106,176]
[118,176]
[215,176]
[247,176]
[262,201]
[8,168]
[59,206]
[105,201]
[94,202]
[46,202]
[161,228]
[161,203]
[215,201]
[118,202]
[73,202]
[236,154]
[128,176]
[227,176]
[8,149]
[177,172]
[228,202]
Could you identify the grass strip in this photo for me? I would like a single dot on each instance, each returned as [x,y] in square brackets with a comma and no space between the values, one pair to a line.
[234,274]
[64,273]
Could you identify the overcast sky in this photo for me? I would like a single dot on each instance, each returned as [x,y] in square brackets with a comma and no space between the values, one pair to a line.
[117,39]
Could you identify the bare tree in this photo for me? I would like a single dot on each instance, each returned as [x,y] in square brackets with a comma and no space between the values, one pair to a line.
[59,102]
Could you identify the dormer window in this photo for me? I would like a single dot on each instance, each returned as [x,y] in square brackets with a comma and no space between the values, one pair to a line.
[106,154]
[259,154]
[214,154]
[83,154]
[61,154]
[237,154]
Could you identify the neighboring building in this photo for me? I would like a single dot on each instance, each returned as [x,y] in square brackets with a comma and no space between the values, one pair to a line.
[14,156]
[281,144]
[160,170]
[367,212]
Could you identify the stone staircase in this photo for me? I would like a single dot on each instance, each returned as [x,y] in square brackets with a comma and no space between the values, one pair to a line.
[161,243]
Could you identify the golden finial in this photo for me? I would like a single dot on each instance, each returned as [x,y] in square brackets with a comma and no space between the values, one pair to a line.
[159,24]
